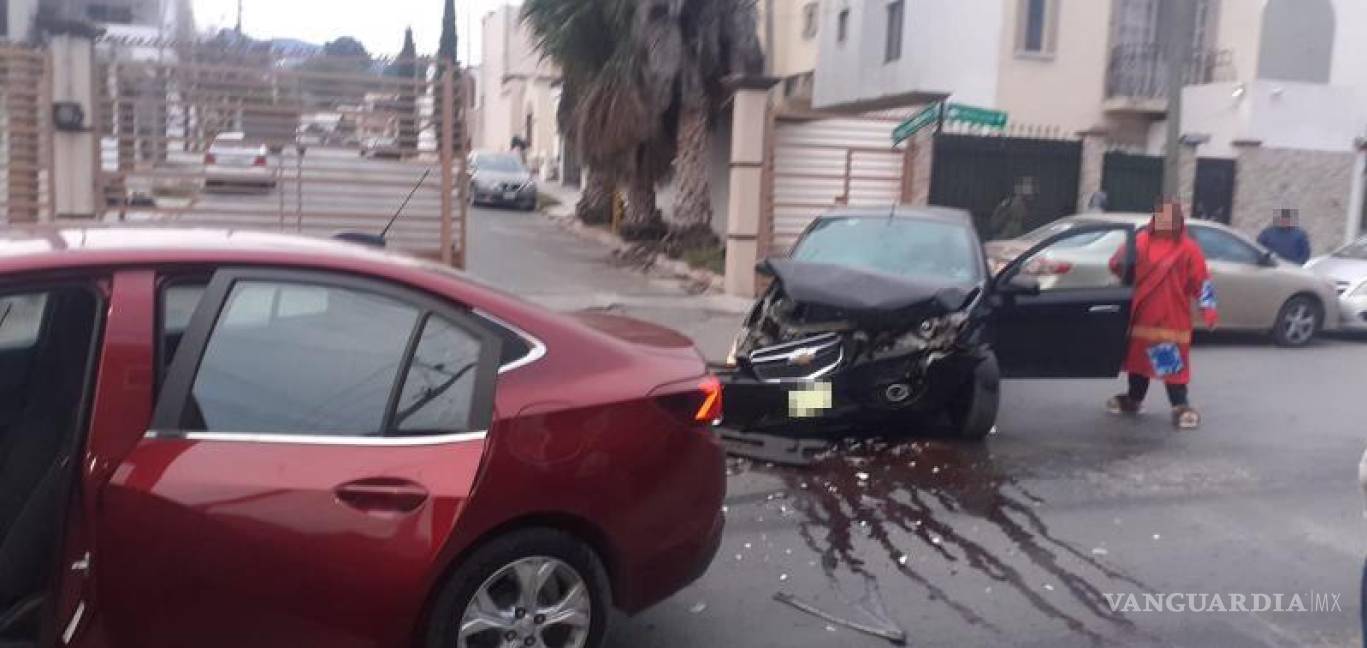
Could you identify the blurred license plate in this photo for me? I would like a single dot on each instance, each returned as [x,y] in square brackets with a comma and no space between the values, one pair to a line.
[810,401]
[510,195]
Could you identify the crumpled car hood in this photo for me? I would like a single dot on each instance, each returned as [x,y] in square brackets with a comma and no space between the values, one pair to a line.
[861,292]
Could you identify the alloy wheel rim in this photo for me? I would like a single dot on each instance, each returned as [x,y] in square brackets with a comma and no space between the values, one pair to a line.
[1300,324]
[535,602]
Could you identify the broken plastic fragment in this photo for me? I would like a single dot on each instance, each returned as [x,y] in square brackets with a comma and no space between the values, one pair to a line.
[782,577]
[1049,587]
[698,607]
[1100,551]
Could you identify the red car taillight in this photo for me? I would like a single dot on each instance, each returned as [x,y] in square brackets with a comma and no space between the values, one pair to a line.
[259,161]
[209,158]
[710,410]
[697,404]
[1046,267]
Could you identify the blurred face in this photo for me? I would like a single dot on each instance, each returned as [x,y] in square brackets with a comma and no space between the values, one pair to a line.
[1165,221]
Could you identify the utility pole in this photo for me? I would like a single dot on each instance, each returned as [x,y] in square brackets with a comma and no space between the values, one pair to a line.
[239,17]
[769,37]
[1178,39]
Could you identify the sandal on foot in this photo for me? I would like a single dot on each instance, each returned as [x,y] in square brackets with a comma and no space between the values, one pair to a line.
[1185,418]
[1122,404]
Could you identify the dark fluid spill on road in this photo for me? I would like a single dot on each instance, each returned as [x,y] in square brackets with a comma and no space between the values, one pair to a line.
[908,498]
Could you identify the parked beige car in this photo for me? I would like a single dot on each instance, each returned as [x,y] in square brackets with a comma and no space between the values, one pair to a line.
[1256,290]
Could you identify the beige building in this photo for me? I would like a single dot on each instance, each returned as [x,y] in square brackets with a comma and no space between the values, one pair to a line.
[788,33]
[1062,65]
[517,91]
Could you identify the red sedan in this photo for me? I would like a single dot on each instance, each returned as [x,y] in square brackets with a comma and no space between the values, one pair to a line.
[240,439]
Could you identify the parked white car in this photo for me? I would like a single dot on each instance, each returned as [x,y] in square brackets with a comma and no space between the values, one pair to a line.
[1346,267]
[232,163]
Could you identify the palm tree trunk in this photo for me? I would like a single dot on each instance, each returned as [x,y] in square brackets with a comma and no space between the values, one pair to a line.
[692,218]
[595,202]
[642,219]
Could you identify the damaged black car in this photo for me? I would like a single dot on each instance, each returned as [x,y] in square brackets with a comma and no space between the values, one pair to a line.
[891,317]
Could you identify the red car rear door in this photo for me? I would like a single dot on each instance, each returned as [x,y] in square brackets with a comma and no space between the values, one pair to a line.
[315,438]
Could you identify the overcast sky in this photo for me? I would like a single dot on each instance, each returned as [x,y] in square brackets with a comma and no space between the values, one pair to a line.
[379,24]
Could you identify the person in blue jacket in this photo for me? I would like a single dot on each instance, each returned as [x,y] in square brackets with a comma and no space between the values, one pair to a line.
[1285,238]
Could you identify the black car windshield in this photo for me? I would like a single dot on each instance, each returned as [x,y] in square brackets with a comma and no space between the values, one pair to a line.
[908,247]
[499,163]
[1354,250]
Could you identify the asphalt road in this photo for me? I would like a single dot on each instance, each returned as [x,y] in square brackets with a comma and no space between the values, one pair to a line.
[1017,541]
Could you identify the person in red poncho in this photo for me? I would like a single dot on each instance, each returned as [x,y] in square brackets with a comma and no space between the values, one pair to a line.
[1170,272]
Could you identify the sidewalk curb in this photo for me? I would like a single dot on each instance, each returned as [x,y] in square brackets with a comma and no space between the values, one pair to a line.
[660,265]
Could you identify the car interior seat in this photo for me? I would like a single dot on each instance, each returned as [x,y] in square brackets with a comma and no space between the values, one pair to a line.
[36,463]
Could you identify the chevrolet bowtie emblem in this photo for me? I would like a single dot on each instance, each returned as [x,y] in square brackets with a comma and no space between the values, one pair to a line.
[802,357]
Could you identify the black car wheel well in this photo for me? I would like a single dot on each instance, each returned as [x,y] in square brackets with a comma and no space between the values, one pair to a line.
[579,528]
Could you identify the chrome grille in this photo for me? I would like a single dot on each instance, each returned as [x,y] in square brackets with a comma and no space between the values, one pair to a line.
[806,359]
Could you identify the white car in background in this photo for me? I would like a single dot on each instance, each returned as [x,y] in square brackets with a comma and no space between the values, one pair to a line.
[1346,267]
[233,163]
[1257,291]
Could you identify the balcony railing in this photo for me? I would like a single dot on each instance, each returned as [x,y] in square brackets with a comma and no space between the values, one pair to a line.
[1141,71]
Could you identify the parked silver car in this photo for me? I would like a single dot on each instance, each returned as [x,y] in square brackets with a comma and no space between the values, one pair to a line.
[234,162]
[501,179]
[1346,267]
[1257,291]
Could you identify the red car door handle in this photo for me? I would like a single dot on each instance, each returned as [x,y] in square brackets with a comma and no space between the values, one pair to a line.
[382,495]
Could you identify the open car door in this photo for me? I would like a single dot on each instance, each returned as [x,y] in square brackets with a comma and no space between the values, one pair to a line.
[1059,309]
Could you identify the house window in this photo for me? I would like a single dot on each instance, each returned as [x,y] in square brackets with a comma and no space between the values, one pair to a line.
[809,20]
[842,26]
[1037,26]
[893,49]
[113,14]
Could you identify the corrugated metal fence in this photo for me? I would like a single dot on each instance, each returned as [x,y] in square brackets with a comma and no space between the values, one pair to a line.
[25,144]
[819,163]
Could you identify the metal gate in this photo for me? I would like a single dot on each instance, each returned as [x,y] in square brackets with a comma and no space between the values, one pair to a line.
[1213,197]
[25,154]
[978,173]
[230,134]
[820,163]
[1133,183]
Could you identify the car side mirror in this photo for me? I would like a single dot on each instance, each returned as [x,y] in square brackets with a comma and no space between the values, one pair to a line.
[764,268]
[1268,259]
[1020,285]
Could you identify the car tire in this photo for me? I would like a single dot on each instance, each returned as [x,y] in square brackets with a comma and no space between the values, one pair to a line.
[1298,322]
[488,569]
[973,412]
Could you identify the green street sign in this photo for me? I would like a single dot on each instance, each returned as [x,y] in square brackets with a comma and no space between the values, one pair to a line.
[929,115]
[975,115]
[952,112]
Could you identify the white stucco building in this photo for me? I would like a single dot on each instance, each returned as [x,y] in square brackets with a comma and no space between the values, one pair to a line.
[1301,81]
[1063,65]
[517,91]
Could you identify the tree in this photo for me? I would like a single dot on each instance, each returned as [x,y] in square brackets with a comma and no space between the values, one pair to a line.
[447,59]
[344,56]
[347,47]
[606,109]
[720,41]
[644,80]
[446,50]
[406,68]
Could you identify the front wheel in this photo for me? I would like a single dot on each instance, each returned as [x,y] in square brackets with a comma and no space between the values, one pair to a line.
[1299,320]
[538,588]
[973,412]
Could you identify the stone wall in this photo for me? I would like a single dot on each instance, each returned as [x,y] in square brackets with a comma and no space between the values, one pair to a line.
[1317,183]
